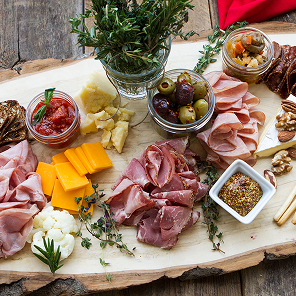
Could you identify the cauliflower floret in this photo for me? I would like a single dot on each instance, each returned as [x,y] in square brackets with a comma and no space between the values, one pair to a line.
[54,225]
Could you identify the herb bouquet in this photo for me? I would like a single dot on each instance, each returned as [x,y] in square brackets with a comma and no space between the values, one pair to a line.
[132,40]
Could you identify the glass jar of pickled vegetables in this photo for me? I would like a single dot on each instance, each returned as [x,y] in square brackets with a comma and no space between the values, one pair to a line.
[247,53]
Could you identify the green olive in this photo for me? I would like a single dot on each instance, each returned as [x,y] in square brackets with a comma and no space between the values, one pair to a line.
[187,114]
[184,77]
[200,90]
[167,86]
[201,107]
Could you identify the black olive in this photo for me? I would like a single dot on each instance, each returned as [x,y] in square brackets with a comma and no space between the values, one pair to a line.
[161,104]
[184,94]
[172,117]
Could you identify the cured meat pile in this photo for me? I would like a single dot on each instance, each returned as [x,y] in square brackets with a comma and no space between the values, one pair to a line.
[156,192]
[234,133]
[281,75]
[21,196]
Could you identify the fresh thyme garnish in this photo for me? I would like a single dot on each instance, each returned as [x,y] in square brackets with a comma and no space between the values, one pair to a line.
[103,229]
[49,257]
[133,32]
[209,207]
[210,51]
[48,93]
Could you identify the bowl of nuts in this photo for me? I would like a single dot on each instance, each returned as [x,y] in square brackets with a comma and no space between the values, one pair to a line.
[181,104]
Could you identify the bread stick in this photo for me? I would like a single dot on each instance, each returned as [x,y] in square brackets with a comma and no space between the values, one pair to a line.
[287,213]
[285,206]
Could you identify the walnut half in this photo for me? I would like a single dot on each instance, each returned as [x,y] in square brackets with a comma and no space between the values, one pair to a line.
[281,163]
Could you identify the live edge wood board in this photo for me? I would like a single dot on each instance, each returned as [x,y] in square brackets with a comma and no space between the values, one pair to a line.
[244,245]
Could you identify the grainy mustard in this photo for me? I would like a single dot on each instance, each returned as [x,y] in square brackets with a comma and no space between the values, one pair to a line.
[241,193]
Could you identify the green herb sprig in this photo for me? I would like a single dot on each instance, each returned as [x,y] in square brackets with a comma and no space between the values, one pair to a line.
[48,94]
[50,257]
[132,32]
[209,50]
[209,207]
[103,229]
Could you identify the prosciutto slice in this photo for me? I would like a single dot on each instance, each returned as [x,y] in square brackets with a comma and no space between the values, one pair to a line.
[234,133]
[21,196]
[160,202]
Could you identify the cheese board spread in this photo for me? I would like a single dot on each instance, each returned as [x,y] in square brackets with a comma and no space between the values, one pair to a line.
[243,244]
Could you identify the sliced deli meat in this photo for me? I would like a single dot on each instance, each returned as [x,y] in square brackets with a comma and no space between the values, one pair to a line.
[21,196]
[234,132]
[163,207]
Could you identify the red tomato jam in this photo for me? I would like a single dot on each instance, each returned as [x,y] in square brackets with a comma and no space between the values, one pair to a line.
[56,119]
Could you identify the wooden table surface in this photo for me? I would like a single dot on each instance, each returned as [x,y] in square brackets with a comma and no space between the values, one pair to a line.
[34,35]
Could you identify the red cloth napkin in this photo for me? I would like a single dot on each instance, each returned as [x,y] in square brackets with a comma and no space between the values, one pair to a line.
[252,11]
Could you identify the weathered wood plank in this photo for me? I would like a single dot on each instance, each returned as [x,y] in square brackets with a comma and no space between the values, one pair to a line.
[8,34]
[38,30]
[270,278]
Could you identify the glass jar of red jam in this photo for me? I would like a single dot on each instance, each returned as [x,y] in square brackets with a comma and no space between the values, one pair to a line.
[60,124]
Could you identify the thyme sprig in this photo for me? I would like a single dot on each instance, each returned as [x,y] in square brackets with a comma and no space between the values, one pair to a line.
[209,207]
[103,229]
[133,32]
[50,257]
[210,50]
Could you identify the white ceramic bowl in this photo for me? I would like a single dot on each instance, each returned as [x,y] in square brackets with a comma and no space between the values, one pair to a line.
[241,166]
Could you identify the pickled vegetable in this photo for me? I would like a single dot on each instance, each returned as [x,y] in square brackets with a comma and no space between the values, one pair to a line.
[247,49]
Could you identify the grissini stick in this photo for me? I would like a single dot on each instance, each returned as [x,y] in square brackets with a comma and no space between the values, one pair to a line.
[285,206]
[294,218]
[287,213]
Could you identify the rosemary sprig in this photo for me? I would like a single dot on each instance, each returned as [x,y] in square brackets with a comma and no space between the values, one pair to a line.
[49,257]
[133,32]
[48,93]
[103,229]
[210,51]
[209,207]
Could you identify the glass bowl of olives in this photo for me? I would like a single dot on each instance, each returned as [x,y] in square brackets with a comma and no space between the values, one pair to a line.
[181,104]
[247,53]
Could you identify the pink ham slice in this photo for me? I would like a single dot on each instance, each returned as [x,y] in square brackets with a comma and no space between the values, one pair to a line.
[234,133]
[15,226]
[126,199]
[21,196]
[179,144]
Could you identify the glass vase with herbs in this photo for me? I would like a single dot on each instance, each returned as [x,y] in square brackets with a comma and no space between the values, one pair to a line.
[133,40]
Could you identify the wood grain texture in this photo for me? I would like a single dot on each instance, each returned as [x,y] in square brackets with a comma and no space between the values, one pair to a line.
[37,30]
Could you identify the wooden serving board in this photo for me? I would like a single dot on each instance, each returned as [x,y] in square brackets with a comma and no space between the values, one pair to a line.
[244,245]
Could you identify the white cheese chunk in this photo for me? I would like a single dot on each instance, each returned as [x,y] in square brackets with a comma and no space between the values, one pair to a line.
[268,142]
[97,93]
[119,134]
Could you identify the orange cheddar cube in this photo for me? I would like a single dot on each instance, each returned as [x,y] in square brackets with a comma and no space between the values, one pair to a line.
[96,155]
[59,158]
[89,190]
[69,177]
[48,176]
[65,199]
[75,161]
[79,152]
